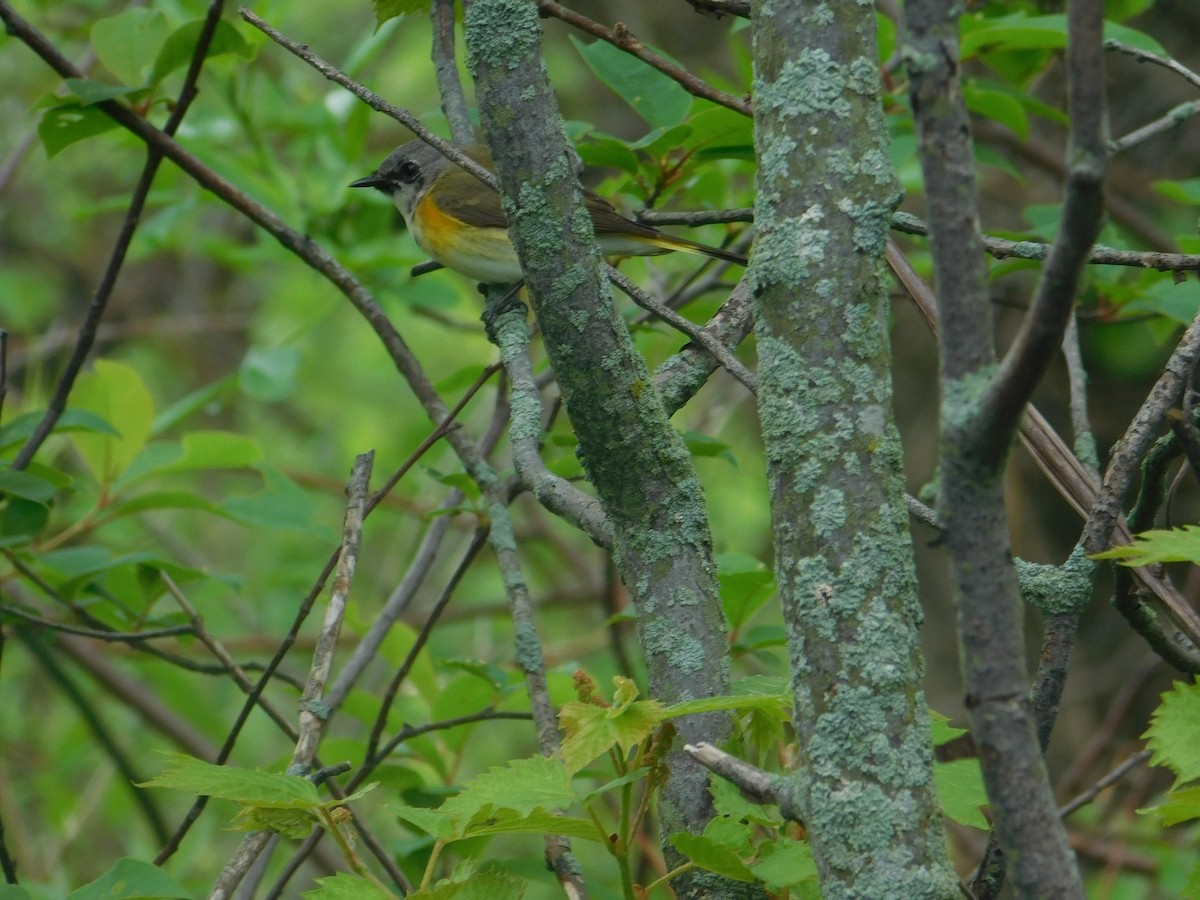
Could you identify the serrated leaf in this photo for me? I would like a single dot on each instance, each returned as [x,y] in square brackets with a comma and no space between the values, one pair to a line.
[1158,546]
[943,732]
[296,824]
[708,854]
[783,863]
[537,822]
[131,879]
[1179,805]
[128,43]
[344,886]
[592,730]
[70,123]
[960,789]
[1174,732]
[177,50]
[478,886]
[660,100]
[521,785]
[389,9]
[246,786]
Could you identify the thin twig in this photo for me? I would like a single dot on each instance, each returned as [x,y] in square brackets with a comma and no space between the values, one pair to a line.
[116,260]
[1119,772]
[1077,379]
[696,332]
[1165,61]
[445,68]
[422,638]
[621,37]
[1169,120]
[115,637]
[373,100]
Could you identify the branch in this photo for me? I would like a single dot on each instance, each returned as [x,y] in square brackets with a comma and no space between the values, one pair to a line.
[1042,330]
[373,100]
[1165,61]
[621,37]
[697,333]
[510,332]
[756,785]
[91,323]
[445,69]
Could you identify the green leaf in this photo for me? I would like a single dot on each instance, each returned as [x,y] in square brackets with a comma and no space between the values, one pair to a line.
[70,123]
[702,445]
[295,824]
[537,822]
[280,504]
[1181,190]
[1022,32]
[115,392]
[25,485]
[389,9]
[128,43]
[661,101]
[90,92]
[1174,732]
[708,854]
[1159,546]
[178,49]
[746,585]
[1177,301]
[21,521]
[999,106]
[21,428]
[478,886]
[783,863]
[960,790]
[768,702]
[130,879]
[943,731]
[1180,805]
[13,892]
[248,787]
[215,450]
[521,785]
[344,886]
[592,730]
[269,373]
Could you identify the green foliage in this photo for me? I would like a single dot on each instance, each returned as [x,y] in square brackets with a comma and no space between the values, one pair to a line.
[130,879]
[1149,547]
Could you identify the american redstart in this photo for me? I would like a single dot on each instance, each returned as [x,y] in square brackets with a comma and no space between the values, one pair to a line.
[458,220]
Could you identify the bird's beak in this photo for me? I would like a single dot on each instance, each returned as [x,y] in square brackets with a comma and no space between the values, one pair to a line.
[371,181]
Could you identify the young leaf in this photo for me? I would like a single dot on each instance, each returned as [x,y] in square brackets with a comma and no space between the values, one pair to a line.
[521,785]
[708,854]
[478,886]
[592,730]
[131,879]
[246,786]
[128,43]
[1174,732]
[344,886]
[1158,546]
[960,790]
[116,393]
[784,863]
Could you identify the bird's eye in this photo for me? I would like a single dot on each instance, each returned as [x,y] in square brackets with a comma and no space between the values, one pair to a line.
[408,172]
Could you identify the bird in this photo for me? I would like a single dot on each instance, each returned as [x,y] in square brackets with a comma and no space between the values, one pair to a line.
[459,222]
